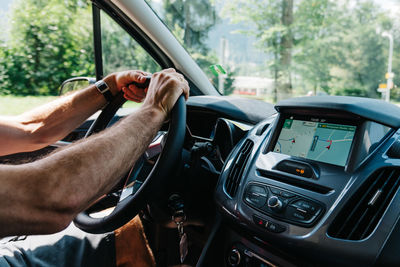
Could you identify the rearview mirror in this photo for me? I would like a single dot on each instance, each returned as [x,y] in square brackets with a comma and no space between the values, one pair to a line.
[76,83]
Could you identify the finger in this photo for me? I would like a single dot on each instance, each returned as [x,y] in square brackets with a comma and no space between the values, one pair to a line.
[134,95]
[185,85]
[145,73]
[136,100]
[131,76]
[186,91]
[171,70]
[136,91]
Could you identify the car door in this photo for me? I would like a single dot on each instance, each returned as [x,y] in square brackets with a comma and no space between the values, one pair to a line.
[99,47]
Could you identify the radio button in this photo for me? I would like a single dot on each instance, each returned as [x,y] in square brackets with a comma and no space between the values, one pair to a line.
[275,191]
[281,193]
[298,214]
[286,194]
[256,195]
[306,205]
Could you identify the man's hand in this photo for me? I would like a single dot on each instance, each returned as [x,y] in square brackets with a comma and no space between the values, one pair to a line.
[122,81]
[85,170]
[165,88]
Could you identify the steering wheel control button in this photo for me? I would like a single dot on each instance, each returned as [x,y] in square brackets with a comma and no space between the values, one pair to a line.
[234,257]
[297,168]
[256,195]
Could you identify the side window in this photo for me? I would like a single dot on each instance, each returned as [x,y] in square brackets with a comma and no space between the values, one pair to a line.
[120,51]
[40,48]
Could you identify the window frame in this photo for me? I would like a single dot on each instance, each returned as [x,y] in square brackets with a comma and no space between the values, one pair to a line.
[130,28]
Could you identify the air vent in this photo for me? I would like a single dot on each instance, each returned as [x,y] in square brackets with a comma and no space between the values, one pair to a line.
[362,213]
[236,172]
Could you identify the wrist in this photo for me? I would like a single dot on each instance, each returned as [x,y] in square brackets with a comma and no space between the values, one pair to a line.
[112,84]
[157,113]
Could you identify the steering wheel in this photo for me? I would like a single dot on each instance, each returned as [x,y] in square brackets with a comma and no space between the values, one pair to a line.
[129,206]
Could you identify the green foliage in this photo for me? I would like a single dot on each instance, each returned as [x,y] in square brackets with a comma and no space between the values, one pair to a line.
[43,50]
[228,83]
[190,22]
[335,46]
[120,51]
[51,41]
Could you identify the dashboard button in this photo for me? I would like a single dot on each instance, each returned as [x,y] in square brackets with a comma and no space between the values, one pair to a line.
[259,221]
[298,214]
[274,203]
[275,228]
[256,195]
[270,226]
[286,194]
[275,191]
[306,205]
[281,193]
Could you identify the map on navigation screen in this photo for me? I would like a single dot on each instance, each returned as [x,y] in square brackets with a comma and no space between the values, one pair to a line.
[326,142]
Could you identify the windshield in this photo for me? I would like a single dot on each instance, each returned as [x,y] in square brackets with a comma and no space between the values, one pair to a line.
[275,49]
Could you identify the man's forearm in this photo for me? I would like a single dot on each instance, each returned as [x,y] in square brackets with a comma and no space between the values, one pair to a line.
[48,123]
[53,190]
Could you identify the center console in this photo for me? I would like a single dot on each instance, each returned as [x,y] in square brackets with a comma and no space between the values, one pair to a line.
[287,185]
[283,205]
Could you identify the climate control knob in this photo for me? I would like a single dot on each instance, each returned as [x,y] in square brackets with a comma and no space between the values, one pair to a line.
[274,203]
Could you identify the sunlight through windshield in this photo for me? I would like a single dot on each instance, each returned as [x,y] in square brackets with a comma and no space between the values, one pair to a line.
[275,49]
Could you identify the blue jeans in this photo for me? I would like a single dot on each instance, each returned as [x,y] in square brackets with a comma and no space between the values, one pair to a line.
[70,247]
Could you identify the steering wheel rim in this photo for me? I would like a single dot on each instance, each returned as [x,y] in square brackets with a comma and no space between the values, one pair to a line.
[129,207]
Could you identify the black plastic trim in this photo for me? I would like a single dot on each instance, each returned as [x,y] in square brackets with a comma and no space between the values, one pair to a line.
[389,255]
[98,60]
[133,30]
[371,109]
[296,182]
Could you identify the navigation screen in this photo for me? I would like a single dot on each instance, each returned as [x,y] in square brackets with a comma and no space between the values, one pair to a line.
[321,141]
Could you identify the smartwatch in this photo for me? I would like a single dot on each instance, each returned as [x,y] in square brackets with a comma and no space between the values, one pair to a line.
[104,90]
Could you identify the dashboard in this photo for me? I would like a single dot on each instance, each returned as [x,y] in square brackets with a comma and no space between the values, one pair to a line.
[312,181]
[315,184]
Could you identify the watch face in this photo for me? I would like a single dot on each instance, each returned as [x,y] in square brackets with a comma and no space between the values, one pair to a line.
[101,86]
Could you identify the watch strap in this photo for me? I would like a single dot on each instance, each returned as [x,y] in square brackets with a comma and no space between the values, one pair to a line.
[103,88]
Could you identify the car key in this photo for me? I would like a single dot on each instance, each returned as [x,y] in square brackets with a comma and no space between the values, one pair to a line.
[179,218]
[176,205]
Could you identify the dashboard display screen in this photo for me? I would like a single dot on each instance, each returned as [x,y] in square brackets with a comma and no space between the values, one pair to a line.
[316,139]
